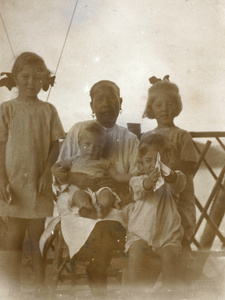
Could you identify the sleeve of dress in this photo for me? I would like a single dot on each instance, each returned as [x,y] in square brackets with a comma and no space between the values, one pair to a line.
[57,131]
[178,186]
[136,185]
[70,146]
[3,124]
[187,149]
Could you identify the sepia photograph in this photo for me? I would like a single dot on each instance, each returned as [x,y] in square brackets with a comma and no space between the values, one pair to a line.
[112,149]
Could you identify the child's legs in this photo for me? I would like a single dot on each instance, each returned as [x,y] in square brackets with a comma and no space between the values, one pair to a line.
[15,233]
[105,200]
[83,201]
[138,272]
[35,228]
[14,245]
[169,257]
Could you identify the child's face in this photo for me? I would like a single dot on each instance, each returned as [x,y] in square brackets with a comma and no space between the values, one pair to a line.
[29,81]
[91,145]
[149,159]
[164,108]
[106,104]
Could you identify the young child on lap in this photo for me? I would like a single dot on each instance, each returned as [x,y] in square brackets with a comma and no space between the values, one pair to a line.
[92,204]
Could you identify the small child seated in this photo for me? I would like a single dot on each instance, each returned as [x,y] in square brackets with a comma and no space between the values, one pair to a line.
[92,204]
[153,221]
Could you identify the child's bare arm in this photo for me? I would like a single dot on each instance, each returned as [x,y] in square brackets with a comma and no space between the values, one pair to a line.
[60,172]
[45,180]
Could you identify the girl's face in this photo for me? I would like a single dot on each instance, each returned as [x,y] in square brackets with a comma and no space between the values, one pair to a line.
[149,159]
[106,105]
[164,108]
[91,145]
[29,82]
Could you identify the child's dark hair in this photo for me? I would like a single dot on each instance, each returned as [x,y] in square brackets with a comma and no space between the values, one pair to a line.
[93,128]
[103,83]
[31,59]
[165,86]
[162,144]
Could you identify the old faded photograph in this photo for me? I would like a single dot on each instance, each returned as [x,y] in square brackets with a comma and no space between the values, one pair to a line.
[112,149]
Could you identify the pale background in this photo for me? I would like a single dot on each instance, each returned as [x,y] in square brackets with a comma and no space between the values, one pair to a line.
[126,41]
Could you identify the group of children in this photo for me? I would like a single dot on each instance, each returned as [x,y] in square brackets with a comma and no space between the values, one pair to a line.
[161,218]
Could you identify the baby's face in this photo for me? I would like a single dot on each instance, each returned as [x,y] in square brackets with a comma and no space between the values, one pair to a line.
[91,146]
[149,160]
[164,108]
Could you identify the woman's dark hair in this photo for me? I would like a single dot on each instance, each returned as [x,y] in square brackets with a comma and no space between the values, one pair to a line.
[103,83]
[31,59]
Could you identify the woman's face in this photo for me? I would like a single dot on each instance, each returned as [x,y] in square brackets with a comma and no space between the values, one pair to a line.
[106,104]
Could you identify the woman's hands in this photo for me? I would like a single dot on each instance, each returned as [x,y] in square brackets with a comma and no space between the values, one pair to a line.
[105,180]
[81,180]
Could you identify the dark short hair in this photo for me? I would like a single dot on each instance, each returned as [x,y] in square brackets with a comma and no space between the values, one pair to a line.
[164,86]
[29,58]
[162,143]
[103,83]
[93,128]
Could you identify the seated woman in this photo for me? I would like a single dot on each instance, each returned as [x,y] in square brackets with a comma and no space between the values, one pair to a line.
[88,239]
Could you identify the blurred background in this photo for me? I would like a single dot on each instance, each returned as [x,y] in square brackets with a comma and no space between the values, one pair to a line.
[127,42]
[84,41]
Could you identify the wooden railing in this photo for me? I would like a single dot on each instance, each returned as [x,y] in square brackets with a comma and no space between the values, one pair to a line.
[212,211]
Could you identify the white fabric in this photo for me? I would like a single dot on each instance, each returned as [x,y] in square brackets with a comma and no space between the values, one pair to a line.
[163,170]
[154,216]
